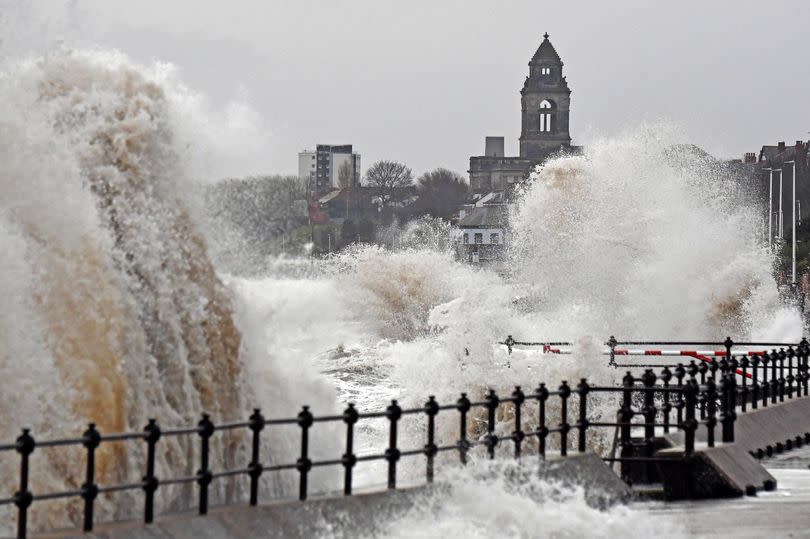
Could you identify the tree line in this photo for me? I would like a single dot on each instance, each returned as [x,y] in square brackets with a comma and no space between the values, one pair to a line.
[256,217]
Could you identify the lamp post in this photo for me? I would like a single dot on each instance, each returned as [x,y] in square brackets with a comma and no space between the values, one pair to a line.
[779,226]
[793,225]
[770,205]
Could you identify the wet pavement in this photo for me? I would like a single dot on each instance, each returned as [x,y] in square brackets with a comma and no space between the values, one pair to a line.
[784,512]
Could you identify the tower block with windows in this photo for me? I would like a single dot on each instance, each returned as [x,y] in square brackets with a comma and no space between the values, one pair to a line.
[545,102]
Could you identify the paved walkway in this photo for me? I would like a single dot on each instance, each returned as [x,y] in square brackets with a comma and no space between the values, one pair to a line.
[784,512]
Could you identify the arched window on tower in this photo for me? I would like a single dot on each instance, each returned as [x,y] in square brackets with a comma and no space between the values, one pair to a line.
[545,116]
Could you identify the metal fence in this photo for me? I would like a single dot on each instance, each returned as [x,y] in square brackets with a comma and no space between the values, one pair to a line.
[683,399]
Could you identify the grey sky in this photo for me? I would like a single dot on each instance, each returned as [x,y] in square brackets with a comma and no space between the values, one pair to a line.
[424,81]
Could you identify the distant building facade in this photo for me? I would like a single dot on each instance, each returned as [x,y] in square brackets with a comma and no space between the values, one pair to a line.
[329,167]
[545,108]
[482,233]
[776,166]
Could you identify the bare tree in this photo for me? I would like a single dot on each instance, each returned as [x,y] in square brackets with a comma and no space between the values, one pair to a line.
[387,177]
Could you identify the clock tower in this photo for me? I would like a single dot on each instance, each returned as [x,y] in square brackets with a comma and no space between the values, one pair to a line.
[545,101]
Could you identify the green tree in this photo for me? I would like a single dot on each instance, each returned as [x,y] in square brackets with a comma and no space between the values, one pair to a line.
[441,192]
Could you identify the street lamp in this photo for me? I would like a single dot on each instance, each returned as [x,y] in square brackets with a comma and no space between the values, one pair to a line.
[793,225]
[781,223]
[770,205]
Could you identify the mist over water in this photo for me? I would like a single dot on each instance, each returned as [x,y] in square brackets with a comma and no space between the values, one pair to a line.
[114,312]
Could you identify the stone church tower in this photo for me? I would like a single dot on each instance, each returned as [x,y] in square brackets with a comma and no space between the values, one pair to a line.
[545,102]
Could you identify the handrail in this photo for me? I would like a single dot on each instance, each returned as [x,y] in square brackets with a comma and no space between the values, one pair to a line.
[712,393]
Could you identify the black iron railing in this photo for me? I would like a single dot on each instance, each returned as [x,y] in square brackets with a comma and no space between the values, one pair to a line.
[682,399]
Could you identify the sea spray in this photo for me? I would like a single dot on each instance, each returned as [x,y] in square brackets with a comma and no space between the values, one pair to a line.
[643,238]
[511,500]
[118,315]
[637,237]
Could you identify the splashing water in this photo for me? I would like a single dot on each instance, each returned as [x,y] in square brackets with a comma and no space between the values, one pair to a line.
[644,238]
[638,237]
[114,312]
[503,499]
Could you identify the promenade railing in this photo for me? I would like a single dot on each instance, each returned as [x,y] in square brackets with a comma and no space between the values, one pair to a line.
[682,399]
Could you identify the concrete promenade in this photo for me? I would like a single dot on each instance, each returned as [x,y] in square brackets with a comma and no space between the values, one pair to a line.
[781,513]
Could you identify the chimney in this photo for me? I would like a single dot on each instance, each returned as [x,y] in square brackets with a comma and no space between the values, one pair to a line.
[494,147]
[782,146]
[750,157]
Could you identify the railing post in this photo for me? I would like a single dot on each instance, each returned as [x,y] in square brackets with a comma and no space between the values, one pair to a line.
[782,381]
[612,345]
[518,397]
[692,370]
[728,414]
[774,377]
[648,379]
[463,406]
[349,459]
[91,439]
[713,368]
[711,419]
[703,368]
[304,463]
[744,393]
[765,385]
[734,366]
[23,498]
[804,351]
[583,388]
[393,413]
[509,342]
[690,423]
[491,441]
[755,382]
[565,392]
[205,429]
[723,364]
[626,416]
[791,353]
[431,450]
[666,407]
[680,373]
[728,343]
[150,481]
[255,467]
[542,428]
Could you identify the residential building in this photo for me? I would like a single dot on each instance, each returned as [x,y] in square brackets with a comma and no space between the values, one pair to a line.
[775,168]
[329,167]
[482,233]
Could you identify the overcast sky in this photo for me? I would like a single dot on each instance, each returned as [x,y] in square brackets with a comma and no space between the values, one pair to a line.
[424,82]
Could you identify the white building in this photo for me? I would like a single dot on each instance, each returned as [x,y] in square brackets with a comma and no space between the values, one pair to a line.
[329,167]
[482,233]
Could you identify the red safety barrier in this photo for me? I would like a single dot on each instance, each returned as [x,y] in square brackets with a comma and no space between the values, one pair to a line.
[696,354]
